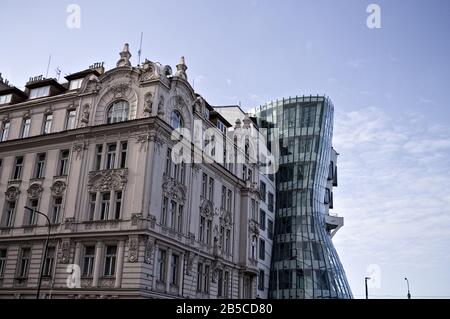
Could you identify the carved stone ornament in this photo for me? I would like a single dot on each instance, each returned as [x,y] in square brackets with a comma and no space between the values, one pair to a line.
[161,106]
[189,263]
[133,249]
[65,252]
[58,188]
[119,90]
[85,115]
[148,103]
[35,191]
[174,190]
[107,180]
[149,246]
[207,208]
[12,193]
[78,149]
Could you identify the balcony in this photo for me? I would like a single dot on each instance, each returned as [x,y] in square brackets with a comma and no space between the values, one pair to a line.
[333,223]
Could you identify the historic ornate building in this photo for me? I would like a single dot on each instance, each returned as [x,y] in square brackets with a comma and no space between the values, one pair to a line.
[95,155]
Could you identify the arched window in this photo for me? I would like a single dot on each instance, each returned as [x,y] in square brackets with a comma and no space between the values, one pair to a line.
[118,112]
[176,121]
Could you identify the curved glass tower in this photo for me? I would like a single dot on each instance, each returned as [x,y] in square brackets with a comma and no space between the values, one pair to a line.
[304,261]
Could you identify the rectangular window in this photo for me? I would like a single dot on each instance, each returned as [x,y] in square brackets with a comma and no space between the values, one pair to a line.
[56,209]
[168,167]
[219,283]
[202,229]
[223,202]
[199,276]
[250,175]
[39,92]
[5,131]
[47,128]
[261,280]
[174,266]
[18,167]
[88,261]
[39,166]
[270,229]
[211,189]
[111,156]
[123,154]
[180,218]
[226,284]
[75,84]
[206,279]
[10,209]
[162,265]
[104,205]
[204,185]
[117,204]
[262,219]
[70,119]
[30,215]
[228,241]
[164,211]
[270,205]
[25,129]
[98,157]
[2,262]
[173,214]
[24,263]
[262,187]
[208,231]
[63,163]
[229,200]
[262,249]
[110,261]
[49,262]
[92,202]
[244,172]
[5,99]
[253,210]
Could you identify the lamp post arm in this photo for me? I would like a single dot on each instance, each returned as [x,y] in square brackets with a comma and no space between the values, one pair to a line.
[45,249]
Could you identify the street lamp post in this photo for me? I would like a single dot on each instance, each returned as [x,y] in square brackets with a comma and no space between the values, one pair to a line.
[409,294]
[45,250]
[367,289]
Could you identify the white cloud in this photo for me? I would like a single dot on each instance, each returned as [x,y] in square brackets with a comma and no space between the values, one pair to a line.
[393,182]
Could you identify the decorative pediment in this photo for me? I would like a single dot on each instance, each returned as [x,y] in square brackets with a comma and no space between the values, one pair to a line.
[226,219]
[58,188]
[207,208]
[35,191]
[174,190]
[12,193]
[107,180]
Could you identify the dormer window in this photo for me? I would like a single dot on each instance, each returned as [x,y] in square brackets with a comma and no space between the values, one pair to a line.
[5,99]
[40,92]
[118,112]
[75,84]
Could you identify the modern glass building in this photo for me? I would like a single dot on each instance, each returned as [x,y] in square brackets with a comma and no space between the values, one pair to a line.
[305,264]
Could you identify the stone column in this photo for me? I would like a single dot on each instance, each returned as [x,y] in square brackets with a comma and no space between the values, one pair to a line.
[119,265]
[97,263]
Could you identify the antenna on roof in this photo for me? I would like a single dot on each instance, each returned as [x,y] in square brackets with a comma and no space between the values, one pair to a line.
[140,50]
[48,65]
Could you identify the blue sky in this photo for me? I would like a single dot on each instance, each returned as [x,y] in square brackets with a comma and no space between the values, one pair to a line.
[389,87]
